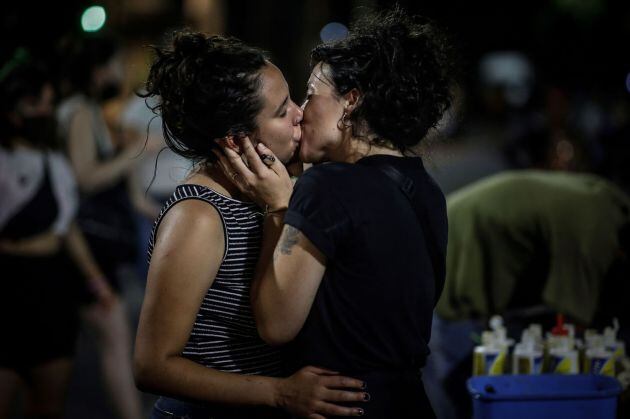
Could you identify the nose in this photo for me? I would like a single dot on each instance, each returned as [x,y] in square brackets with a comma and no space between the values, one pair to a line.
[298,114]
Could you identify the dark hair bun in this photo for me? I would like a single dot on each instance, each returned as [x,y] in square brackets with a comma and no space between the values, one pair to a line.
[207,87]
[402,65]
[186,44]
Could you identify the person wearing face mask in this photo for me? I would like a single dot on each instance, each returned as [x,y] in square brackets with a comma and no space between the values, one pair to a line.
[102,161]
[39,239]
[353,258]
[197,345]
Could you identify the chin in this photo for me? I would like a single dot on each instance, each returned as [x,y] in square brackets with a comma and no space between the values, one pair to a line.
[304,157]
[312,160]
[293,158]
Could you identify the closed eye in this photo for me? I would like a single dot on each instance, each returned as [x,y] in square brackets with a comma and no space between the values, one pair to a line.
[283,106]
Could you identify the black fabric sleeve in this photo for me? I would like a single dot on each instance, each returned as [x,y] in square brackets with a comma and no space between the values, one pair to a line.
[316,211]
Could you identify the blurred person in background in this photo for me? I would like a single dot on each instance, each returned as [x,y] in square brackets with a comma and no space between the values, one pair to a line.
[102,160]
[158,171]
[197,344]
[614,139]
[353,258]
[526,245]
[487,115]
[39,240]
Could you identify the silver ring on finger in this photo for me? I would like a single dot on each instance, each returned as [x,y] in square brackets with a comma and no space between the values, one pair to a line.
[267,159]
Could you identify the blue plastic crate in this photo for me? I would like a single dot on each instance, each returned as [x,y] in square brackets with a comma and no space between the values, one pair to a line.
[544,396]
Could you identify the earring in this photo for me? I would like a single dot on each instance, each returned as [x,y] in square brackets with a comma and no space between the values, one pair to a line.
[344,123]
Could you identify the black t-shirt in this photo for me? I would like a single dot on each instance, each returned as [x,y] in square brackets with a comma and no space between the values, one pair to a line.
[374,306]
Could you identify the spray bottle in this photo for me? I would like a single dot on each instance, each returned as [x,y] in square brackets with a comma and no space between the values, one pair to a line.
[563,358]
[528,355]
[490,357]
[599,360]
[484,354]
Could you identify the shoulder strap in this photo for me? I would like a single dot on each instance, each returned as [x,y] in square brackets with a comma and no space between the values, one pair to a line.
[407,187]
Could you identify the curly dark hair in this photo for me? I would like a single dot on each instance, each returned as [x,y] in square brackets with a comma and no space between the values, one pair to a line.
[403,68]
[207,87]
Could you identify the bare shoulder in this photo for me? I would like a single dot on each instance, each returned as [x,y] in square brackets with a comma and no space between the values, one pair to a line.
[190,219]
[82,115]
[79,127]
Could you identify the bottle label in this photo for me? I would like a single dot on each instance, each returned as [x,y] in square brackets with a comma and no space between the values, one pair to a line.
[495,363]
[478,363]
[529,364]
[618,349]
[603,365]
[492,363]
[563,364]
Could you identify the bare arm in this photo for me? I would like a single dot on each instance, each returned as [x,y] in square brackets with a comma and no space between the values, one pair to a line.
[290,271]
[82,256]
[151,146]
[139,199]
[91,174]
[290,267]
[80,252]
[186,258]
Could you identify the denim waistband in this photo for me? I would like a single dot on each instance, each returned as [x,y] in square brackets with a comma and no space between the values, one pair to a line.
[166,407]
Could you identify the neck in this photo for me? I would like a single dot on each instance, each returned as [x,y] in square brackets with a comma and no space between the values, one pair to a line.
[214,178]
[357,148]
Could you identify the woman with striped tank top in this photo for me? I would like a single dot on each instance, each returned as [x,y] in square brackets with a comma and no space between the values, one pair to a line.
[197,344]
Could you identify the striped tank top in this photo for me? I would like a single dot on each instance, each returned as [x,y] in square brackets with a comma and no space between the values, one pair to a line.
[224,335]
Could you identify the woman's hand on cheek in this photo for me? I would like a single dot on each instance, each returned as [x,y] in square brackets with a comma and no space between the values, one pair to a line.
[267,183]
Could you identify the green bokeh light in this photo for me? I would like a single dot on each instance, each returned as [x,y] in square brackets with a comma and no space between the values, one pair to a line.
[93,18]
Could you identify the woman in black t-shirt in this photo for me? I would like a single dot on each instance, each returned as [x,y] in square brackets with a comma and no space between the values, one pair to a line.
[353,275]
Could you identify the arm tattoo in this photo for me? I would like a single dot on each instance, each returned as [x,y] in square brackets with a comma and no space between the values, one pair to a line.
[290,238]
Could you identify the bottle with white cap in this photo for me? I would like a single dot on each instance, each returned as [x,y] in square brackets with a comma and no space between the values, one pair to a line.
[599,360]
[528,355]
[485,354]
[490,357]
[563,357]
[535,331]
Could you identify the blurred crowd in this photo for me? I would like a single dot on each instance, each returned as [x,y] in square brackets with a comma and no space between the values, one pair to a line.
[509,117]
[80,191]
[84,172]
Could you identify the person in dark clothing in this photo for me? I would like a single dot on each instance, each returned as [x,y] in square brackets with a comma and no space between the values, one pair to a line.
[101,161]
[353,275]
[527,244]
[39,240]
